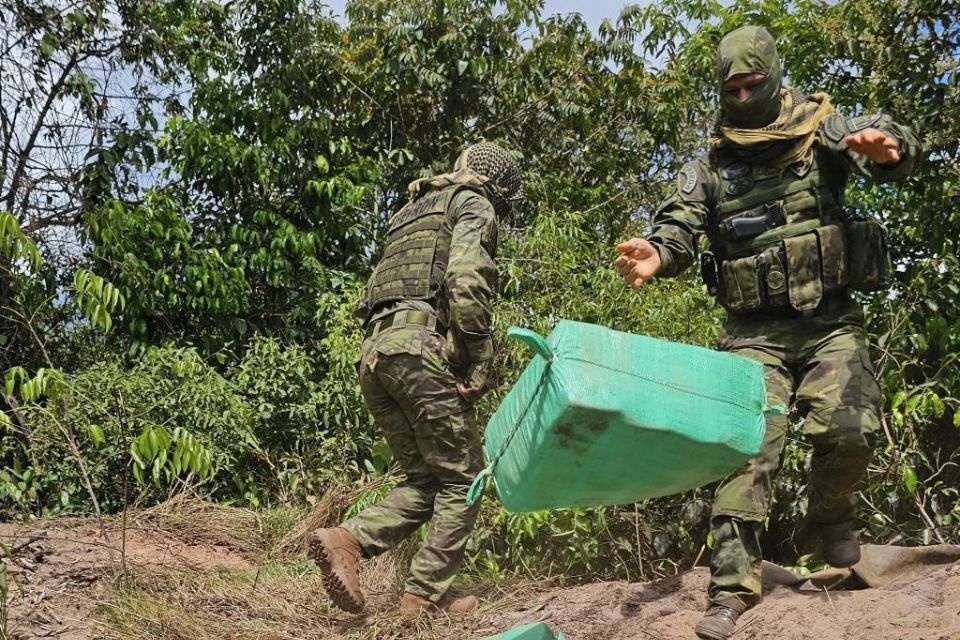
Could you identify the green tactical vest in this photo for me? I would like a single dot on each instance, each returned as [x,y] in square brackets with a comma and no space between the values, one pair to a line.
[779,237]
[416,253]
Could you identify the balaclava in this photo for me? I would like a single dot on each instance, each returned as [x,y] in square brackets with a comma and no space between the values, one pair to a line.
[750,49]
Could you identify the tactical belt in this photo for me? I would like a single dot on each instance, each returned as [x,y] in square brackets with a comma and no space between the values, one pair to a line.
[401,319]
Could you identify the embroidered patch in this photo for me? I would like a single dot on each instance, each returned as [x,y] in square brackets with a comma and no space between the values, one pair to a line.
[861,122]
[800,169]
[738,186]
[835,128]
[687,180]
[763,172]
[735,170]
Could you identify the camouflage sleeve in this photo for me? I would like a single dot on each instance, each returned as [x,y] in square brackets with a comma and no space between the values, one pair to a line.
[680,218]
[836,128]
[472,272]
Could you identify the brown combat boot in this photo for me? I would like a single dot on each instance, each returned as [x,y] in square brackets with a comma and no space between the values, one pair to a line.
[839,546]
[413,605]
[337,553]
[717,623]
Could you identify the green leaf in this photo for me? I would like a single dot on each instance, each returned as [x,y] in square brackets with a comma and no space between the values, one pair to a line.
[96,434]
[910,479]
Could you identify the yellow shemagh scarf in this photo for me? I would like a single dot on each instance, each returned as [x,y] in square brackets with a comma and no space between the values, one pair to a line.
[800,118]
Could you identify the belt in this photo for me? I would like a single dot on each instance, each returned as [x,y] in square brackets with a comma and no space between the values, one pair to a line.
[402,319]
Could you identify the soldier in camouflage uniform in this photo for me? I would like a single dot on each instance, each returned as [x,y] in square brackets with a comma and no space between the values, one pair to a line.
[785,253]
[426,352]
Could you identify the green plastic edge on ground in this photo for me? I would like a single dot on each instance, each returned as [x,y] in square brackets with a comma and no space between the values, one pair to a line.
[535,631]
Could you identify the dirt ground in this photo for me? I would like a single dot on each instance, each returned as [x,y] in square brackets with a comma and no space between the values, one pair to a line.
[61,584]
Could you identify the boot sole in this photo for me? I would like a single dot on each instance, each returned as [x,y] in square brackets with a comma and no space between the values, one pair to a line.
[336,590]
[709,635]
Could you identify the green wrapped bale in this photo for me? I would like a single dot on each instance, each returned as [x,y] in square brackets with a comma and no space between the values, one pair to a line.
[603,417]
[535,631]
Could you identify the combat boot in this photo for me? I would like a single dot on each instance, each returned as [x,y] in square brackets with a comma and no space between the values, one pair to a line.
[717,623]
[413,605]
[839,545]
[337,553]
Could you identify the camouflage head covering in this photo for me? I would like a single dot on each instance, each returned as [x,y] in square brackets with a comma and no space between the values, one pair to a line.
[484,167]
[496,164]
[750,49]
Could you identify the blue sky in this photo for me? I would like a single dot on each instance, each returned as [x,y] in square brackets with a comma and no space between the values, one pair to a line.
[593,11]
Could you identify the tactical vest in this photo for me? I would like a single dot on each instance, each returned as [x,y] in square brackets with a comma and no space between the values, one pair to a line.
[416,253]
[779,236]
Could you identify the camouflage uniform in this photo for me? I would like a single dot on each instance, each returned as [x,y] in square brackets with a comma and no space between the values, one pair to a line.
[785,255]
[429,311]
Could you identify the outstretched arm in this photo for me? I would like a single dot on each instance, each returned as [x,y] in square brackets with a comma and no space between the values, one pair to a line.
[880,147]
[671,245]
[874,146]
[638,262]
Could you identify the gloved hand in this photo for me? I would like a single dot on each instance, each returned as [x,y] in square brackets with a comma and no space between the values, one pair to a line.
[475,384]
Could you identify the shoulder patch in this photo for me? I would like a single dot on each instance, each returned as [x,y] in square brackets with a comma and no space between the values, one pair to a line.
[687,179]
[835,128]
[862,122]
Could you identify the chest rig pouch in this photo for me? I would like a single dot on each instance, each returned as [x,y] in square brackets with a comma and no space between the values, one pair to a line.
[416,253]
[870,265]
[781,237]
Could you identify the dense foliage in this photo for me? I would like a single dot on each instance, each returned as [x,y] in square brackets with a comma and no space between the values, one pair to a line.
[193,193]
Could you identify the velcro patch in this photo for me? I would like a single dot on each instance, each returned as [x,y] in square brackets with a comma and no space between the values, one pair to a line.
[735,170]
[687,179]
[862,122]
[835,128]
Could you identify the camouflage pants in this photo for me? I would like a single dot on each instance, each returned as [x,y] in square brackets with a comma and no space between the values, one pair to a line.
[820,366]
[433,435]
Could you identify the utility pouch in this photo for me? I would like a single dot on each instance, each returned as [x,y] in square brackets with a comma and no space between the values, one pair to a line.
[833,258]
[869,254]
[805,287]
[741,284]
[775,276]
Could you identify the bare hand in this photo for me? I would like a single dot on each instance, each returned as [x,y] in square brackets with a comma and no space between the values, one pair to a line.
[638,261]
[474,386]
[874,144]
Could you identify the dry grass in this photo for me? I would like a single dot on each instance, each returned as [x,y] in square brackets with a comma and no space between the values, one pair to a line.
[281,597]
[190,520]
[328,512]
[283,602]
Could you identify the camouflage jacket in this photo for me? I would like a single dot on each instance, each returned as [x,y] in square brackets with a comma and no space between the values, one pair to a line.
[465,300]
[808,198]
